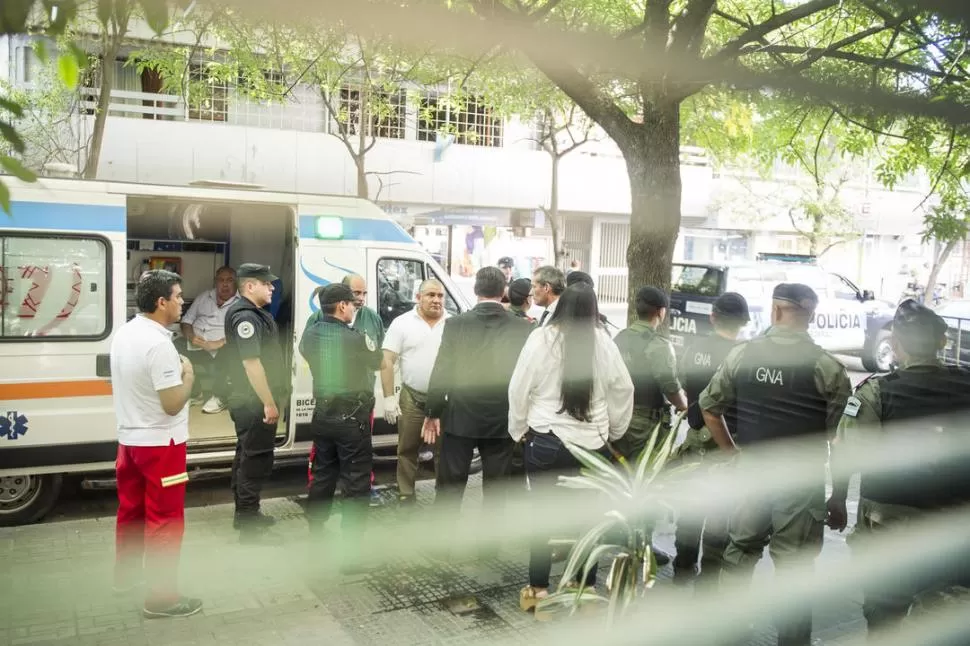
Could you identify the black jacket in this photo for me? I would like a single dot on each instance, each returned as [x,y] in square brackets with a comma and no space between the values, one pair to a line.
[469,388]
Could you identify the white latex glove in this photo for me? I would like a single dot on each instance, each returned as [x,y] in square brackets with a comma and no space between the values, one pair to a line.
[391,409]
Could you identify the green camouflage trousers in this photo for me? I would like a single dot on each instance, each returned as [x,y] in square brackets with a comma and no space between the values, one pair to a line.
[791,525]
[644,421]
[908,595]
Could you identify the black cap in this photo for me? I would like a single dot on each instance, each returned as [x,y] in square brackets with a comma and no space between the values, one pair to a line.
[797,294]
[918,323]
[505,261]
[253,270]
[520,288]
[732,305]
[577,276]
[652,296]
[335,293]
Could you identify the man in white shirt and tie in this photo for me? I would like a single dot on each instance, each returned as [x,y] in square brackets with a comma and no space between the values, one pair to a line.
[547,284]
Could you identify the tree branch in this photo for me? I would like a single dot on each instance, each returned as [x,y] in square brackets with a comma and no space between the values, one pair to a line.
[818,143]
[816,53]
[689,27]
[943,168]
[777,21]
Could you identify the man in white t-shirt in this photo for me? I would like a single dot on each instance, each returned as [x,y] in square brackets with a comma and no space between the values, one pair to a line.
[204,329]
[151,387]
[413,338]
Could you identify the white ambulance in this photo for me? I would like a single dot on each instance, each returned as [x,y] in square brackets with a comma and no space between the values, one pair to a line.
[70,253]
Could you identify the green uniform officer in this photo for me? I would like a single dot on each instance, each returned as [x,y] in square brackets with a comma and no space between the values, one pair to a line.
[366,321]
[790,392]
[520,300]
[342,362]
[918,410]
[700,361]
[650,358]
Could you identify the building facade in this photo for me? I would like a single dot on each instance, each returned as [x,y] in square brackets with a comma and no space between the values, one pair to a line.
[473,197]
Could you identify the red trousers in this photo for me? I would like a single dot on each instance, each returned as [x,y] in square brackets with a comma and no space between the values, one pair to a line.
[313,451]
[151,519]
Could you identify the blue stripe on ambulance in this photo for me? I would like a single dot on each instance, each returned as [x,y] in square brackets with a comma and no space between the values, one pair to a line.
[55,216]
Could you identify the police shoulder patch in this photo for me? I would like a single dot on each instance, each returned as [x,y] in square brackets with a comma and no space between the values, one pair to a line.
[245,330]
[370,342]
[852,406]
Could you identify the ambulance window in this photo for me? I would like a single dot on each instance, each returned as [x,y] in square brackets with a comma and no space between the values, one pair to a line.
[451,305]
[398,281]
[56,287]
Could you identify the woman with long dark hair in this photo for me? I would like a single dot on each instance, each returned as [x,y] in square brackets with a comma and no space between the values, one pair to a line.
[570,385]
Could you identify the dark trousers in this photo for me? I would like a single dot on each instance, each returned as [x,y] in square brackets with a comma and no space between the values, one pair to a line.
[253,462]
[546,458]
[455,462]
[342,452]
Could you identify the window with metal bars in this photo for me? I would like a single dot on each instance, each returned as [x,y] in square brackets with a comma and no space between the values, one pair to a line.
[469,119]
[386,112]
[208,95]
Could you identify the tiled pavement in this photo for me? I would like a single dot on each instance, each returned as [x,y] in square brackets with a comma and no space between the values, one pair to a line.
[55,589]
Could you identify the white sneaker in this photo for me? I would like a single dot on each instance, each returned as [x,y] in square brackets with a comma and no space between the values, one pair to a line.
[214,405]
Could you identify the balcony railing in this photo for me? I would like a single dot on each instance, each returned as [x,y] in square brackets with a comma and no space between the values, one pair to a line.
[138,105]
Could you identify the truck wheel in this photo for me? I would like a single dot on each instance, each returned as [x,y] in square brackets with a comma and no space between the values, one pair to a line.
[27,499]
[878,355]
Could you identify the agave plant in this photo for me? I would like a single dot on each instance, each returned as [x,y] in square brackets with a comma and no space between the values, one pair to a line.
[624,531]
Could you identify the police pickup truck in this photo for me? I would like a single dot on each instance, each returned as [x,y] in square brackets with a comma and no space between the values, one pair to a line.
[848,320]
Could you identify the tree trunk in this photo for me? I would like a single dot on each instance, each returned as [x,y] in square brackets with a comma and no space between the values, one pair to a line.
[361,157]
[653,164]
[110,52]
[935,271]
[558,250]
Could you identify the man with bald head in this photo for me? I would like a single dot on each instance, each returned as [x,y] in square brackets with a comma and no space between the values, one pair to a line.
[789,393]
[413,338]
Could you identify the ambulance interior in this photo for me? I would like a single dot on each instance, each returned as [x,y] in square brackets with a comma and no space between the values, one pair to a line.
[195,238]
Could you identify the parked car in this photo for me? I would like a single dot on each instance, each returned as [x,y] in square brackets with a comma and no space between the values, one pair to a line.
[957,317]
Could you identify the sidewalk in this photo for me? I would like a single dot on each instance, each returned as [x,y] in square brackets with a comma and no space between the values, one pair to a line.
[55,588]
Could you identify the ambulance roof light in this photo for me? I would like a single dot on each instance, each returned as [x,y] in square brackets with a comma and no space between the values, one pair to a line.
[330,227]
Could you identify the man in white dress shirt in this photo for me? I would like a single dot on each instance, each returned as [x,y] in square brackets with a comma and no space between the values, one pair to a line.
[413,338]
[548,283]
[203,327]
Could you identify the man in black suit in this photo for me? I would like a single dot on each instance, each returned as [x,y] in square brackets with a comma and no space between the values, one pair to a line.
[468,401]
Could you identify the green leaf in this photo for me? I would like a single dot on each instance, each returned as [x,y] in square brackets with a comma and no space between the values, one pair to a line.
[597,464]
[5,198]
[585,544]
[10,134]
[11,106]
[156,14]
[68,70]
[40,48]
[17,169]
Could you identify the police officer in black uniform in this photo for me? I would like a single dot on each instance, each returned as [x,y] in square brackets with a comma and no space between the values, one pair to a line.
[259,385]
[919,410]
[342,362]
[699,361]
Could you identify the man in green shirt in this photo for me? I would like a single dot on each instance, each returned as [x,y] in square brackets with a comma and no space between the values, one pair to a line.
[789,394]
[649,357]
[919,410]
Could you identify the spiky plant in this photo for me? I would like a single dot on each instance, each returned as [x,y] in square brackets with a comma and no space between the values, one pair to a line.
[625,531]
